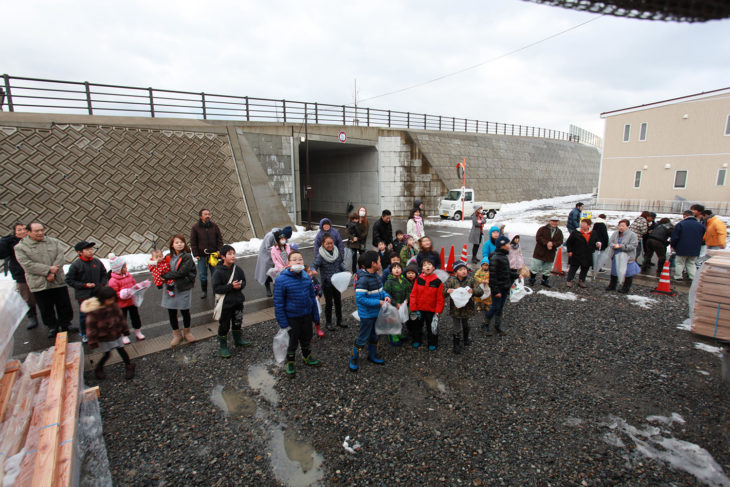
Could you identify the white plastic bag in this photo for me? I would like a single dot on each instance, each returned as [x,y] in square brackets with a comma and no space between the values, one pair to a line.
[136,292]
[341,280]
[460,296]
[435,325]
[487,290]
[441,274]
[281,343]
[518,290]
[388,322]
[403,312]
[319,309]
[356,315]
[347,259]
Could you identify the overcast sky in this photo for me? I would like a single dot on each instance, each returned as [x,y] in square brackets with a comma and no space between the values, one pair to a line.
[314,50]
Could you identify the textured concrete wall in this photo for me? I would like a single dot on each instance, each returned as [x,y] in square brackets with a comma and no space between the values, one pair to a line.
[275,155]
[506,169]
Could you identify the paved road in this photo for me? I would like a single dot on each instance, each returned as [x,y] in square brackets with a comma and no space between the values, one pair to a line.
[154,317]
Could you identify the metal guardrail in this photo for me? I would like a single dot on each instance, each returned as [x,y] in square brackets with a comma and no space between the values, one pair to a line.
[57,96]
[660,206]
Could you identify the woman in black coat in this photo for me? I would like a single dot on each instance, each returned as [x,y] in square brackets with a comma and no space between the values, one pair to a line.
[581,244]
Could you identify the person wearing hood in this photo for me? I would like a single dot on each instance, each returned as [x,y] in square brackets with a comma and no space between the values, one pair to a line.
[516,259]
[264,261]
[656,243]
[326,228]
[383,230]
[7,252]
[476,232]
[205,239]
[548,240]
[580,244]
[280,252]
[499,284]
[622,252]
[329,262]
[295,308]
[460,316]
[491,243]
[414,226]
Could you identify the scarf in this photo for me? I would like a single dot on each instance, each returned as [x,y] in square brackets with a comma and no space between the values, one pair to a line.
[327,256]
[587,236]
[418,221]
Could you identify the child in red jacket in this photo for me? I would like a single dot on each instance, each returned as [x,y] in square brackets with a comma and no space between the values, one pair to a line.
[123,283]
[159,265]
[427,298]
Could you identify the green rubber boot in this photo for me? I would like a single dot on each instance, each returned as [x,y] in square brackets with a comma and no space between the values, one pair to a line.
[238,339]
[309,360]
[223,343]
[291,366]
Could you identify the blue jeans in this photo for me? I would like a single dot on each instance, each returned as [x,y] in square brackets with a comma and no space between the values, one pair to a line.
[82,321]
[367,332]
[203,267]
[498,303]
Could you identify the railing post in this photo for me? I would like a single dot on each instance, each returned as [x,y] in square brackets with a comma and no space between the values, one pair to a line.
[408,120]
[368,115]
[344,120]
[439,123]
[465,122]
[424,121]
[152,103]
[477,129]
[8,93]
[202,98]
[316,112]
[388,118]
[453,124]
[248,115]
[513,128]
[306,115]
[283,104]
[88,98]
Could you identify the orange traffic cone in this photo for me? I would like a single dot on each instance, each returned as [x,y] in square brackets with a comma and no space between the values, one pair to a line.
[664,287]
[443,258]
[450,266]
[464,255]
[558,265]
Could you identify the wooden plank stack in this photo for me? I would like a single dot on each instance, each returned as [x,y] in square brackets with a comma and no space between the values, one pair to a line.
[711,316]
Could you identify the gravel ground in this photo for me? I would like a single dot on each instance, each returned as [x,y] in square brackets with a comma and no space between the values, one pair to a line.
[565,398]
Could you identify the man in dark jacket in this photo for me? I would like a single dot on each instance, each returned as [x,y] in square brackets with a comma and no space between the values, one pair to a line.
[7,252]
[383,230]
[656,242]
[205,239]
[499,283]
[686,241]
[86,275]
[231,288]
[574,218]
[548,240]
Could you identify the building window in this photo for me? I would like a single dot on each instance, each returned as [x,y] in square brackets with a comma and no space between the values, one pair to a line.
[727,126]
[637,179]
[627,132]
[721,177]
[642,132]
[680,179]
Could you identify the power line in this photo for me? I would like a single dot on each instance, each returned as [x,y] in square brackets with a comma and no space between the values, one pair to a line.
[454,73]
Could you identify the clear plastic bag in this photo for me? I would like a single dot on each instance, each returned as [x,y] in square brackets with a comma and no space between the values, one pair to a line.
[441,274]
[319,308]
[435,325]
[281,343]
[356,315]
[403,312]
[487,290]
[518,290]
[460,296]
[388,322]
[341,280]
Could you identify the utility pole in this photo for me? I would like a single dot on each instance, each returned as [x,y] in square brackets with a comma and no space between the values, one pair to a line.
[307,187]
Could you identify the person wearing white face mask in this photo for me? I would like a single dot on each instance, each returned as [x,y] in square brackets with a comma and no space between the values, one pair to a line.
[295,307]
[279,253]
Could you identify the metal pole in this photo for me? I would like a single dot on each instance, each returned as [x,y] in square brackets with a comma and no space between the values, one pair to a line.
[202,97]
[88,98]
[8,94]
[307,188]
[152,103]
[283,104]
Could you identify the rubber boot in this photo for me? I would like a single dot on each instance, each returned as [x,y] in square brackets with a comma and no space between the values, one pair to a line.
[32,319]
[188,336]
[99,371]
[355,358]
[176,338]
[457,345]
[372,354]
[204,289]
[238,339]
[487,327]
[531,280]
[545,281]
[498,325]
[612,284]
[291,367]
[309,360]
[330,326]
[319,331]
[129,371]
[267,285]
[223,346]
[627,285]
[466,331]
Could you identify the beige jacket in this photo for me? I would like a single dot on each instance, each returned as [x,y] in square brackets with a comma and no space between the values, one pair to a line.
[36,258]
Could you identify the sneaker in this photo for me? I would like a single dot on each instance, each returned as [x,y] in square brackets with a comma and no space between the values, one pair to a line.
[415,344]
[431,348]
[139,335]
[125,340]
[84,339]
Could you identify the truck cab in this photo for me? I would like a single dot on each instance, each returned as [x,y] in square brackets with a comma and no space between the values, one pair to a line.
[452,203]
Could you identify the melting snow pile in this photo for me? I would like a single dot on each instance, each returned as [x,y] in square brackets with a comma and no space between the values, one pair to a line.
[641,301]
[564,296]
[717,351]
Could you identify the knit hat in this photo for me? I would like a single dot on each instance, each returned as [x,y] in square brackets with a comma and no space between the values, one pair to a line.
[459,264]
[116,263]
[412,267]
[485,260]
[501,241]
[287,232]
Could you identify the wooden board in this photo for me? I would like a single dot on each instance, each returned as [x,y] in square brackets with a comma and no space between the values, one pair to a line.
[70,415]
[6,385]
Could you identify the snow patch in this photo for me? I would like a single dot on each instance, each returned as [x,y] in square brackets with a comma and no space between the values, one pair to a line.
[674,418]
[564,296]
[641,301]
[703,372]
[717,351]
[685,325]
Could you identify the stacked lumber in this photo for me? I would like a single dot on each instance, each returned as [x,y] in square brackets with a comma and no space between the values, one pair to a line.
[711,315]
[39,402]
[12,311]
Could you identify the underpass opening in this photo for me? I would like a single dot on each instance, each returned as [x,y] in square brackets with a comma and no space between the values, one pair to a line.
[339,174]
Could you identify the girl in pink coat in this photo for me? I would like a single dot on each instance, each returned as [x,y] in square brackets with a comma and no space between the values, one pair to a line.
[280,253]
[516,260]
[122,282]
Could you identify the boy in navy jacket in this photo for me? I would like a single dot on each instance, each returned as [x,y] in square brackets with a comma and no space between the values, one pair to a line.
[295,308]
[369,296]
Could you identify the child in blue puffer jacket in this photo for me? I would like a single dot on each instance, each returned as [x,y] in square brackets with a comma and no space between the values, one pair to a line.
[369,296]
[295,308]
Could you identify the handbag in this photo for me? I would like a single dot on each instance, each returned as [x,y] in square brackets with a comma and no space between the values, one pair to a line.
[218,309]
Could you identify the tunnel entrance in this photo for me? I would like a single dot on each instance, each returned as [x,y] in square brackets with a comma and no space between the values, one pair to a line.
[339,173]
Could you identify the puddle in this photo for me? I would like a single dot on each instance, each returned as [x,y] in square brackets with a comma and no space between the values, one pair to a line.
[294,462]
[261,381]
[232,402]
[435,383]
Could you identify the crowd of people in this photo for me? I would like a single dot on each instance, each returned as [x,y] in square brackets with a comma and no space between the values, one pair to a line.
[399,270]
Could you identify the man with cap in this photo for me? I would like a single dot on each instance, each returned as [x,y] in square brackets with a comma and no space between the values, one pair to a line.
[548,240]
[86,275]
[205,239]
[7,252]
[42,260]
[264,262]
[574,217]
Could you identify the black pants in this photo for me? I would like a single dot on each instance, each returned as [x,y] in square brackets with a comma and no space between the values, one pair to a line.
[475,247]
[354,260]
[122,353]
[460,327]
[300,333]
[655,246]
[332,295]
[417,330]
[55,307]
[172,313]
[230,318]
[133,312]
[573,268]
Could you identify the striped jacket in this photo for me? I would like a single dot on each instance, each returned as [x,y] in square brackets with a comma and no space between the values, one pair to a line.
[368,294]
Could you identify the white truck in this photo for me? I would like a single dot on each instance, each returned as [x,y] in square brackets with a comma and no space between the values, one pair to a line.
[451,204]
